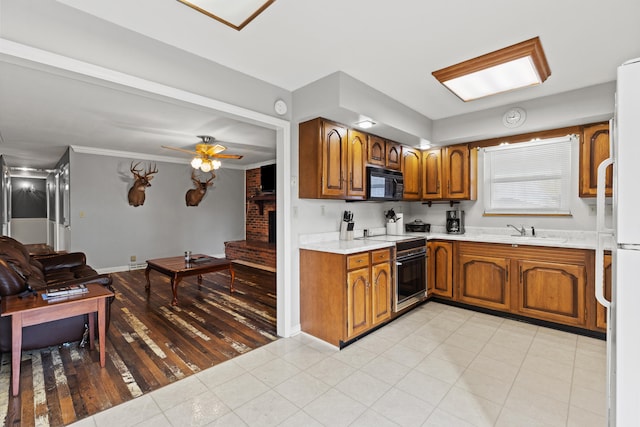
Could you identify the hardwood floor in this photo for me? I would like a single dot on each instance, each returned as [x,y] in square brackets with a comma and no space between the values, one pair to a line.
[149,344]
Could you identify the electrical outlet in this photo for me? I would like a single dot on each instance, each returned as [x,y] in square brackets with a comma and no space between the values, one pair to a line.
[133,258]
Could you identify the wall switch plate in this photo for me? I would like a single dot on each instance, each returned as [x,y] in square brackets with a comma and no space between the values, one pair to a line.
[133,258]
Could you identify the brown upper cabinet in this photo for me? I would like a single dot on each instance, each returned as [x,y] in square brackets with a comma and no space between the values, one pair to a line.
[432,174]
[376,154]
[333,163]
[411,172]
[356,166]
[449,173]
[333,158]
[594,148]
[393,159]
[384,153]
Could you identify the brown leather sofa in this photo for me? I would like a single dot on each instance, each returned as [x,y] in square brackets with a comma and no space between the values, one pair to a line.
[20,271]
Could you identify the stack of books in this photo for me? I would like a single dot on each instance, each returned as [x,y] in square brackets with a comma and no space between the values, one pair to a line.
[64,292]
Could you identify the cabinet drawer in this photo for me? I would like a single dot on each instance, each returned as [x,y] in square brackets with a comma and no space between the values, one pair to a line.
[380,256]
[357,260]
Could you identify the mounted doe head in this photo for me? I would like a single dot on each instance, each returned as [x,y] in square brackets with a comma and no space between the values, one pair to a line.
[195,195]
[136,192]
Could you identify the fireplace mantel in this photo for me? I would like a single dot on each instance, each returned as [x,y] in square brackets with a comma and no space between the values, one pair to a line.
[259,199]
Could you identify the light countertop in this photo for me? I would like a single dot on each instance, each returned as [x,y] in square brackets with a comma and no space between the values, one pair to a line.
[329,242]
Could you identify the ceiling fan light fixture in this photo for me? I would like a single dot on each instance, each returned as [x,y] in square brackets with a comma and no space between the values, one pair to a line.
[206,166]
[196,162]
[513,67]
[216,164]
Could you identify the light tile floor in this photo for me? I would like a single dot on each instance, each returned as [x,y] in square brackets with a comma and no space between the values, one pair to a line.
[435,366]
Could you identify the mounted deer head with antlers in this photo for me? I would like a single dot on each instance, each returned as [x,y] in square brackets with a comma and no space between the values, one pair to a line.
[136,192]
[195,195]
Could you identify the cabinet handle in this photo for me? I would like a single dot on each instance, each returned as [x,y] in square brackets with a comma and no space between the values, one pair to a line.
[507,274]
[520,274]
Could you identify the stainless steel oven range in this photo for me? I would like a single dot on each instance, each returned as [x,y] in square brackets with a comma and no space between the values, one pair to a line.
[411,273]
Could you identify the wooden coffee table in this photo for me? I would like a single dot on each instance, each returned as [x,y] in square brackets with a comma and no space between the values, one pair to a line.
[176,268]
[33,310]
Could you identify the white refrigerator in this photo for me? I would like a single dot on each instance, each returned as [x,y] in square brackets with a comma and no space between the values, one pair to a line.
[623,335]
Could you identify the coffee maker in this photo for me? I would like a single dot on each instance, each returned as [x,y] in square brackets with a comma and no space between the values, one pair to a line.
[455,222]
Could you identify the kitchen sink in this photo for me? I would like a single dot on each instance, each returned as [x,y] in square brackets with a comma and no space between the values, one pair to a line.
[520,239]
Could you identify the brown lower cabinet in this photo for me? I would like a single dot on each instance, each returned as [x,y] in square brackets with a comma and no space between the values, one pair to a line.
[440,268]
[484,281]
[549,284]
[343,296]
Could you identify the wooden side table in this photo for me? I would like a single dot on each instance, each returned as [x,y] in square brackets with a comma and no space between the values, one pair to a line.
[33,310]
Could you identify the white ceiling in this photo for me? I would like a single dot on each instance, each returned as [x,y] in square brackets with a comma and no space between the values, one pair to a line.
[390,46]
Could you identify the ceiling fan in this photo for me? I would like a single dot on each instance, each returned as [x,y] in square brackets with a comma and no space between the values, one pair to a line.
[206,154]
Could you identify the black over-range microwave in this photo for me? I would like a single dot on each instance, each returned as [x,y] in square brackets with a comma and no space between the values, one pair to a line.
[384,184]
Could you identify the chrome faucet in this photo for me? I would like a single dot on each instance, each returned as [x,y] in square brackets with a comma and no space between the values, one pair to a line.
[522,231]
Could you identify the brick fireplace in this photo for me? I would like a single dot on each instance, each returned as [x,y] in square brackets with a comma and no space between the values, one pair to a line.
[259,248]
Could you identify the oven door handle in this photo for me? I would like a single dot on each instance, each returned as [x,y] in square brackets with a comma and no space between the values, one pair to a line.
[411,258]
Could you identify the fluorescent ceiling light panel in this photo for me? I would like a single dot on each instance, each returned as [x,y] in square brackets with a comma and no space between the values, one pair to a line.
[521,65]
[234,13]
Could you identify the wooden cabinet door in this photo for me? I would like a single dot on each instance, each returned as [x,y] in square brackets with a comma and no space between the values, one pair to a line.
[393,155]
[356,155]
[334,160]
[552,291]
[411,173]
[594,148]
[380,292]
[484,281]
[376,151]
[441,269]
[601,312]
[455,170]
[432,174]
[358,302]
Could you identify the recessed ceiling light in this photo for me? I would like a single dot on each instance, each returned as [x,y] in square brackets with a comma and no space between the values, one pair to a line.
[520,65]
[424,144]
[365,124]
[236,14]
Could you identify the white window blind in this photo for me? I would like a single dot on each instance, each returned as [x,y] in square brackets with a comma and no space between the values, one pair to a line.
[528,178]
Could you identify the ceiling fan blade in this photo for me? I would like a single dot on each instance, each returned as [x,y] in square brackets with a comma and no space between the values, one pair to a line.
[227,156]
[215,149]
[180,149]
